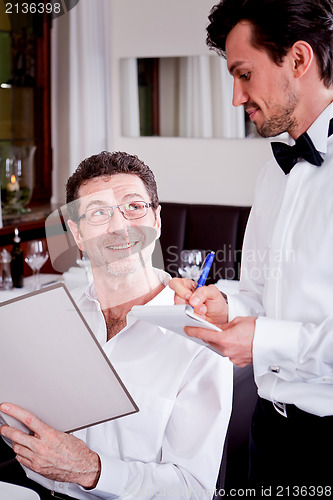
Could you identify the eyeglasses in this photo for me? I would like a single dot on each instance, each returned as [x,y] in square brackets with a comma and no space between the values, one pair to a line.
[102,215]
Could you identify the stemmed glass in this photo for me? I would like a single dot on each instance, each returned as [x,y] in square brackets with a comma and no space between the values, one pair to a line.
[84,263]
[36,256]
[190,264]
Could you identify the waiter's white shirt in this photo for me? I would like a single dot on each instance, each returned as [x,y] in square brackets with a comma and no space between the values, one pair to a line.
[287,279]
[172,447]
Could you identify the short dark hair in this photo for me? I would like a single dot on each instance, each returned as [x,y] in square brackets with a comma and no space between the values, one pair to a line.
[277,25]
[108,164]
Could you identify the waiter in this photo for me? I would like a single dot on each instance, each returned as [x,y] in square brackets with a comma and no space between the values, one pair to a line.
[280,55]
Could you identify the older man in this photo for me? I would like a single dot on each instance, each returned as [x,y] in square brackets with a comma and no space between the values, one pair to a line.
[172,447]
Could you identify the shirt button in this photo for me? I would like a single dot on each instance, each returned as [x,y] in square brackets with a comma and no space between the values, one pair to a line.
[274,368]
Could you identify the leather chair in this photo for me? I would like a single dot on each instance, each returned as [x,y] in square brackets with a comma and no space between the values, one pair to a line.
[217,228]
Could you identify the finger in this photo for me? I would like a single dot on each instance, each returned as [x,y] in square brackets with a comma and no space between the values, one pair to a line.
[203,294]
[24,461]
[179,300]
[215,339]
[201,309]
[24,416]
[203,334]
[183,288]
[22,452]
[235,322]
[230,325]
[17,437]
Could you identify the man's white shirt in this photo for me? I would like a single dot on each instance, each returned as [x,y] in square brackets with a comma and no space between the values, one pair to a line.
[287,279]
[172,447]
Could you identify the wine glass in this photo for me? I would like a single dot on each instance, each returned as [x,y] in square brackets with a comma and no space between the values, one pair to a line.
[84,263]
[190,264]
[36,256]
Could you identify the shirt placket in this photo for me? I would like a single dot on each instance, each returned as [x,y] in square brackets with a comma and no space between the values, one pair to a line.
[279,247]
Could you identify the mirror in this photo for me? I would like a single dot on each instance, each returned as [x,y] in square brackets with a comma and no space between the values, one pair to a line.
[180,97]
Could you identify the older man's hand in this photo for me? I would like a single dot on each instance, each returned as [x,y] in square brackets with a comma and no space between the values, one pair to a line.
[53,454]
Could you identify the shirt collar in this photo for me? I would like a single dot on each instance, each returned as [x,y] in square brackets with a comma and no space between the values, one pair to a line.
[315,132]
[165,297]
[90,292]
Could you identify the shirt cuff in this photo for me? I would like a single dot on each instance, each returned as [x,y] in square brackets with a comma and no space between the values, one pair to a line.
[112,480]
[238,305]
[275,347]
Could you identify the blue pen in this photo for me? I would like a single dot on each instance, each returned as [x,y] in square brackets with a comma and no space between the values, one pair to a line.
[206,268]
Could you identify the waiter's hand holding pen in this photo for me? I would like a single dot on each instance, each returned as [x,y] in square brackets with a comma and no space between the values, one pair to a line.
[236,339]
[205,300]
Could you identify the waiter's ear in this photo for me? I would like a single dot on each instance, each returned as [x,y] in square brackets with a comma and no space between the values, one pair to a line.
[301,56]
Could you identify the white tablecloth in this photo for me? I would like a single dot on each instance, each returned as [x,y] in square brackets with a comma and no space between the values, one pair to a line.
[73,278]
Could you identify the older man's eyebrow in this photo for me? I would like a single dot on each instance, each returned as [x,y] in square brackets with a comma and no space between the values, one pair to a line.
[132,196]
[103,203]
[99,203]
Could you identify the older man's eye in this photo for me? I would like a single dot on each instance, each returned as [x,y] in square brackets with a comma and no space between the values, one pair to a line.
[245,76]
[100,211]
[134,206]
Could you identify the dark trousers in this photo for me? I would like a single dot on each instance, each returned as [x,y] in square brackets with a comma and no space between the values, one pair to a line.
[293,451]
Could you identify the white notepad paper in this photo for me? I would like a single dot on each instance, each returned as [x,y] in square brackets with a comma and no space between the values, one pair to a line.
[52,365]
[175,318]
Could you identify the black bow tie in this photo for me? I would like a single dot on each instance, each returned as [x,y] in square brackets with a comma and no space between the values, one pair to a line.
[288,156]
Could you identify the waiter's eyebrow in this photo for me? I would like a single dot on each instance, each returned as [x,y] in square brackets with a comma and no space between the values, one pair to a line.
[235,65]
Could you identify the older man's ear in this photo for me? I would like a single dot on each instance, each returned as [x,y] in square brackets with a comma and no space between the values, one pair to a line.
[158,221]
[74,228]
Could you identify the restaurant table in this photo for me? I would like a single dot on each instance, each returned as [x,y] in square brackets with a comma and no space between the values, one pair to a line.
[10,491]
[73,278]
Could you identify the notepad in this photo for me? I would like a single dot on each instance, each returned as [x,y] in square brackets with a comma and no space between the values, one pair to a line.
[175,318]
[52,365]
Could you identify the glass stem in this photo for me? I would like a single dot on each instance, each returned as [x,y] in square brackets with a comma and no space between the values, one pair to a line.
[37,280]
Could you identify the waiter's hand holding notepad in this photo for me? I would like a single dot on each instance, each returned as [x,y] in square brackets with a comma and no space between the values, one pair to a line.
[52,365]
[177,317]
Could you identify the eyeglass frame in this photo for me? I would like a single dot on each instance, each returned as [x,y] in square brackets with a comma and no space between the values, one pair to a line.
[147,205]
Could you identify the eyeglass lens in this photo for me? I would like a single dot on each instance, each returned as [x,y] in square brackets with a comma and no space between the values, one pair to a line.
[131,211]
